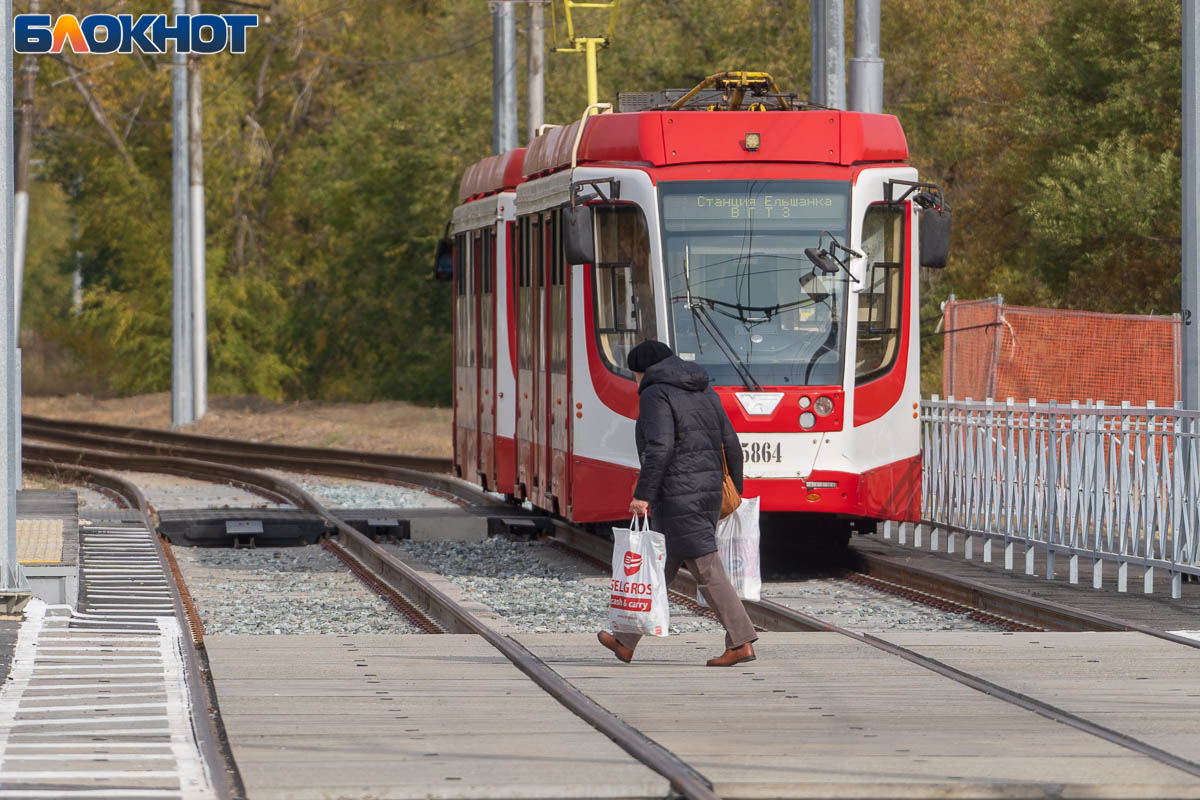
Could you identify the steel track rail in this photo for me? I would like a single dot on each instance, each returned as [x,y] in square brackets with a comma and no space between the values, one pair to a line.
[777,617]
[684,779]
[253,455]
[991,600]
[774,616]
[1035,611]
[45,427]
[210,732]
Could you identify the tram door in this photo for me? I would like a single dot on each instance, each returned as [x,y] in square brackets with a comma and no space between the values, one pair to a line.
[466,376]
[559,398]
[530,250]
[487,360]
[541,378]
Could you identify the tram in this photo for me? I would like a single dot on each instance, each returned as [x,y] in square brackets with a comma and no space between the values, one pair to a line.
[774,244]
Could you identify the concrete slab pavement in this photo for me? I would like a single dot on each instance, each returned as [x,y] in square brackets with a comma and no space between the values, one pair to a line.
[406,717]
[819,715]
[1135,684]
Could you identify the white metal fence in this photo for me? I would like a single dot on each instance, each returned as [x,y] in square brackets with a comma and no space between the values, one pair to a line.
[1115,486]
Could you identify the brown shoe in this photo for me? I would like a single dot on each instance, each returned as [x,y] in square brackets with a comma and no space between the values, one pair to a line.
[619,650]
[734,655]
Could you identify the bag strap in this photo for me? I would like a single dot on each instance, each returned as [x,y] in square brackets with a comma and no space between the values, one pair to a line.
[724,463]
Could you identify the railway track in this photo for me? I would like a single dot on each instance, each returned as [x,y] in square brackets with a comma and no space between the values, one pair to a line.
[135,616]
[1002,607]
[390,573]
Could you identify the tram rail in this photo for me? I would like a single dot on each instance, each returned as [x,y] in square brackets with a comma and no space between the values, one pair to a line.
[766,613]
[997,603]
[384,567]
[214,747]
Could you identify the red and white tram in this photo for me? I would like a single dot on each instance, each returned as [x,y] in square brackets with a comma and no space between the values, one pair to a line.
[691,227]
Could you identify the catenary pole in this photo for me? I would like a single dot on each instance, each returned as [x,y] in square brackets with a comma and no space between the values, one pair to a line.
[504,77]
[1190,368]
[29,70]
[497,70]
[196,234]
[866,68]
[510,130]
[536,90]
[182,396]
[10,420]
[816,92]
[835,54]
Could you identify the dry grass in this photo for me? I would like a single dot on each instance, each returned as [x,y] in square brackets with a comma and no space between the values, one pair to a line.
[389,426]
[48,368]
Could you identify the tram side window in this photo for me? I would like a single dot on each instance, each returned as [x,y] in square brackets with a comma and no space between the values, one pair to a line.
[558,300]
[471,327]
[524,299]
[624,294]
[462,260]
[882,299]
[486,280]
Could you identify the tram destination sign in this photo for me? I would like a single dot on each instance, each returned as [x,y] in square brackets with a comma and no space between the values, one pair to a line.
[765,209]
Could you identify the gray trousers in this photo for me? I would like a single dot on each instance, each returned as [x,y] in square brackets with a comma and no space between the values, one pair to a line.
[718,592]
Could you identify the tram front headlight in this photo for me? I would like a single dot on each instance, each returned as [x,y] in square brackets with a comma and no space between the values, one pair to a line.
[807,419]
[823,406]
[805,401]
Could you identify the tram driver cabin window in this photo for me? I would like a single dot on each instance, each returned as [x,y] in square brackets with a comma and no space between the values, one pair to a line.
[882,299]
[623,293]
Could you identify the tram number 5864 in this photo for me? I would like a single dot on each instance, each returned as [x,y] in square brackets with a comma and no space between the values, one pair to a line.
[762,452]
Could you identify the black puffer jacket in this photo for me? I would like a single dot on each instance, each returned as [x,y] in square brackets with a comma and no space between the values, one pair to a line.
[681,428]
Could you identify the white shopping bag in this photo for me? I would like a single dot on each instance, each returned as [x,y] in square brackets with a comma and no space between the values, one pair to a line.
[737,545]
[639,588]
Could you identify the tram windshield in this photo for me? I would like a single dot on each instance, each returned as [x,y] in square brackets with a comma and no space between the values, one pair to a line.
[736,271]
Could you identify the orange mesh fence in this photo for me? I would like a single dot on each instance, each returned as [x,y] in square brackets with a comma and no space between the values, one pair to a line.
[1001,351]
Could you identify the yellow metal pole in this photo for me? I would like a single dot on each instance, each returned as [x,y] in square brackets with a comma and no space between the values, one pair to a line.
[593,92]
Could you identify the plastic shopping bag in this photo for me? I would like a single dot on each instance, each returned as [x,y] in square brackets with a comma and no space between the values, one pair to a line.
[639,588]
[737,545]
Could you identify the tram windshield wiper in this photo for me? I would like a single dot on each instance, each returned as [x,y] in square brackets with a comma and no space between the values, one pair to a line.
[704,316]
[738,310]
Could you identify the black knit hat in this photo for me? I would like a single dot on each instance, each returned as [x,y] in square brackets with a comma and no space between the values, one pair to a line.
[646,355]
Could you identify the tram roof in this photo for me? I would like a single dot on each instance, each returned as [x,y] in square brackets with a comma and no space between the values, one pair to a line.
[664,138]
[492,174]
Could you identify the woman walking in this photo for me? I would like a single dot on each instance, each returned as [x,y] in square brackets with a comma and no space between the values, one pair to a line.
[682,435]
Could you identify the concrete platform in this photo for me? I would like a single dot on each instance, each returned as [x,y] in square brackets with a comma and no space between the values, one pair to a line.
[819,715]
[48,543]
[1138,685]
[405,717]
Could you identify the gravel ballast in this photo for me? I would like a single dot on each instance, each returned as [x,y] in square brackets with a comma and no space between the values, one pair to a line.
[335,493]
[863,609]
[293,590]
[537,588]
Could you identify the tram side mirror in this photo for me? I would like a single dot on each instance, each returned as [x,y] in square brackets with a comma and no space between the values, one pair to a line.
[443,259]
[822,260]
[935,237]
[579,241]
